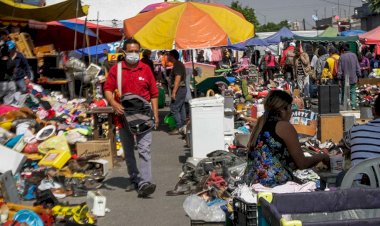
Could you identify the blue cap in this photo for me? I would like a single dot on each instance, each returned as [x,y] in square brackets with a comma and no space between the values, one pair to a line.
[11,45]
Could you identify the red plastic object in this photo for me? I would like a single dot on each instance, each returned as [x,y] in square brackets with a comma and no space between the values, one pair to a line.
[254,111]
[216,180]
[47,219]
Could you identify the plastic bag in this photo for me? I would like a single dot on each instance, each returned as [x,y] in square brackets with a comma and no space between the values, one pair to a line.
[196,208]
[54,143]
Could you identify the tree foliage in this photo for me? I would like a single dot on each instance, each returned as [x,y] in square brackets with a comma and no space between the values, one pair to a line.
[250,16]
[273,26]
[247,12]
[375,5]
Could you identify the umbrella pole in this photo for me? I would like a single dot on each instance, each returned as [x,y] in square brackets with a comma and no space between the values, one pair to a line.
[192,73]
[75,33]
[97,36]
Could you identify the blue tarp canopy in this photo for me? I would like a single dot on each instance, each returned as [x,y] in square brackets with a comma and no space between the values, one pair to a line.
[256,42]
[77,27]
[93,50]
[250,42]
[276,38]
[352,32]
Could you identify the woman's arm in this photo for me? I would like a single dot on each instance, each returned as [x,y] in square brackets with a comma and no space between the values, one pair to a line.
[287,132]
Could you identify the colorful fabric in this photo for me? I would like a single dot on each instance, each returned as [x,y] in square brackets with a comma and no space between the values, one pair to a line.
[269,163]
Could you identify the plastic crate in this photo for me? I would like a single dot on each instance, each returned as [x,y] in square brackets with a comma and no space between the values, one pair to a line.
[245,214]
[204,223]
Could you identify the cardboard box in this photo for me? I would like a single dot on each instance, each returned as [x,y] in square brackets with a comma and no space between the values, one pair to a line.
[96,147]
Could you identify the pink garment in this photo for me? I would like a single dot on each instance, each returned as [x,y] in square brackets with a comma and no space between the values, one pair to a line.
[270,62]
[216,55]
[289,187]
[6,108]
[244,62]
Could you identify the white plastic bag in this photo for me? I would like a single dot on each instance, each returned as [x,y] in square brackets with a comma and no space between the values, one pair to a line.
[196,208]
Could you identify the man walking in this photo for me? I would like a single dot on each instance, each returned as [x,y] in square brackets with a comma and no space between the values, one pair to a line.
[136,78]
[178,94]
[349,71]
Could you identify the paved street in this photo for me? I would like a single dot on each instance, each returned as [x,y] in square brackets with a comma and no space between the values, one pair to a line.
[127,209]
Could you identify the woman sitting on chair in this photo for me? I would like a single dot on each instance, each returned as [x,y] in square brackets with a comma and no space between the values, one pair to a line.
[274,149]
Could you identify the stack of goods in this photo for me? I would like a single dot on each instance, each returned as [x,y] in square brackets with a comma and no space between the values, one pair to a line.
[39,137]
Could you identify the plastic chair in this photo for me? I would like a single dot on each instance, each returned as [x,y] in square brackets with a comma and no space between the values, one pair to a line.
[370,167]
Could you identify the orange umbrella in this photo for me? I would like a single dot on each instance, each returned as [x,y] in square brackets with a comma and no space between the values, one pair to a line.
[189,25]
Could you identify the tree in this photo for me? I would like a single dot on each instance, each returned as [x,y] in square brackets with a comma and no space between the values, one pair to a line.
[250,16]
[375,5]
[273,26]
[247,12]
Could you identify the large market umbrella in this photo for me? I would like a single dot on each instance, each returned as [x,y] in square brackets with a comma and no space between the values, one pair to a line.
[189,25]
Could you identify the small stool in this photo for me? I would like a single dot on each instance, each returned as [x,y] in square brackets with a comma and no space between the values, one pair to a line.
[111,133]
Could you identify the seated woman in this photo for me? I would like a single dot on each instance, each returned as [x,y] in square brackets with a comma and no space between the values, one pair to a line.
[274,149]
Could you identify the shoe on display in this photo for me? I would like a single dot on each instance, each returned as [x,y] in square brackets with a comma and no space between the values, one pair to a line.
[146,189]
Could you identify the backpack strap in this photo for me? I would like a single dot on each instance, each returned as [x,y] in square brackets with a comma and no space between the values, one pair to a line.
[119,78]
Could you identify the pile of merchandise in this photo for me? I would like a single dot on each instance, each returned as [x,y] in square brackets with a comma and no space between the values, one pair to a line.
[39,137]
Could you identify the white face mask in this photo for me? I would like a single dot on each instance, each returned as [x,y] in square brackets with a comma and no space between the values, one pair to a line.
[132,58]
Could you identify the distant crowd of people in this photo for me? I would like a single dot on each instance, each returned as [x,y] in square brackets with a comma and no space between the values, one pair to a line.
[309,66]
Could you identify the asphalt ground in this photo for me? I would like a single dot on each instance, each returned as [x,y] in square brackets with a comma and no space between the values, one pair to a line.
[168,154]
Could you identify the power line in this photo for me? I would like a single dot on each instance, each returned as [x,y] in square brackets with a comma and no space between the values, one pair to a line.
[341,4]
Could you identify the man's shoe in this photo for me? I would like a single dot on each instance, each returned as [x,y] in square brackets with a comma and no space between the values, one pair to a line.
[131,187]
[146,189]
[174,132]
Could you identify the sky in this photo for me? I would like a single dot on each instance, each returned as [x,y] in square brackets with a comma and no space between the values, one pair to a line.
[266,10]
[296,10]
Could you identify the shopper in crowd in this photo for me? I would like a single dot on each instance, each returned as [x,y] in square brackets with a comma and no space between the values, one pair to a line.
[255,58]
[363,140]
[269,66]
[6,87]
[244,62]
[364,65]
[322,58]
[178,94]
[314,60]
[18,67]
[375,62]
[200,56]
[137,78]
[287,60]
[106,64]
[349,71]
[146,54]
[332,64]
[302,71]
[274,149]
[226,59]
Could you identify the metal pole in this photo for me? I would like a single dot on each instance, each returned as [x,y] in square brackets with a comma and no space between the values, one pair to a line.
[192,73]
[76,18]
[97,37]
